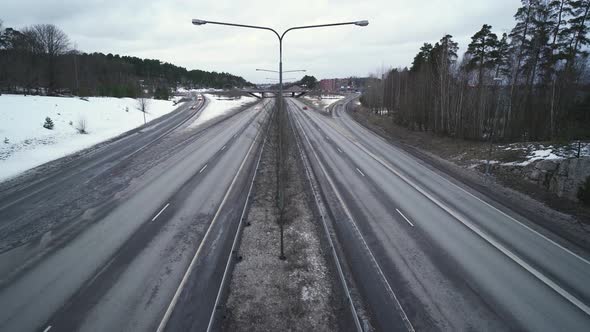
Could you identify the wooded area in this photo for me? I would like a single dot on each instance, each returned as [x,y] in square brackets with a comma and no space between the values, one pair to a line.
[530,84]
[39,59]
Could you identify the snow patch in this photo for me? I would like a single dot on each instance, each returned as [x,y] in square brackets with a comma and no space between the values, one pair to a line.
[25,144]
[218,106]
[324,101]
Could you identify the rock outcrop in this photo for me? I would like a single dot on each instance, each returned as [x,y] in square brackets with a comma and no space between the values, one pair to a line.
[562,177]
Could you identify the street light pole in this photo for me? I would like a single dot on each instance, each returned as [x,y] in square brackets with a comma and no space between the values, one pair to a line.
[497,80]
[281,161]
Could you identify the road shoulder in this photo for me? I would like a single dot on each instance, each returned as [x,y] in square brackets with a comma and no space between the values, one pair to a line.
[570,230]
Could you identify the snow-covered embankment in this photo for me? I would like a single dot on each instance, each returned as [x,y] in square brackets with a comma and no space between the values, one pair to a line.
[25,143]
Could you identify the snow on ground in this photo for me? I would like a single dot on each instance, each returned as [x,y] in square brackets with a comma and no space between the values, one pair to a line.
[325,101]
[535,152]
[218,106]
[24,143]
[183,90]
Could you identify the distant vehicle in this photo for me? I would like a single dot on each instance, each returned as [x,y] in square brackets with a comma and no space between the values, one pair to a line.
[305,107]
[199,98]
[193,107]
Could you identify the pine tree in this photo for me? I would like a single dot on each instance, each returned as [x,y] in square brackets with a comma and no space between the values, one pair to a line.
[48,123]
[444,55]
[578,30]
[483,49]
[501,57]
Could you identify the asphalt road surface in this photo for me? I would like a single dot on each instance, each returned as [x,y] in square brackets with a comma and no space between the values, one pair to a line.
[102,241]
[428,253]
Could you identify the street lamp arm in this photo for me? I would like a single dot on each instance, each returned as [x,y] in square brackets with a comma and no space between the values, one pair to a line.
[268,70]
[284,71]
[201,22]
[359,23]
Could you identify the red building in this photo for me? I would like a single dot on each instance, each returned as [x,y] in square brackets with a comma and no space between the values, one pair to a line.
[336,84]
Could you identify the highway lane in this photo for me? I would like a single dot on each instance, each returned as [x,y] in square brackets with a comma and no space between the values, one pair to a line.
[122,270]
[452,260]
[20,198]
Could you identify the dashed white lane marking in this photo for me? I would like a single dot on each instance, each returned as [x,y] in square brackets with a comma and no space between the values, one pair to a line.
[159,213]
[408,220]
[495,243]
[202,169]
[183,281]
[47,328]
[358,170]
[223,148]
[398,304]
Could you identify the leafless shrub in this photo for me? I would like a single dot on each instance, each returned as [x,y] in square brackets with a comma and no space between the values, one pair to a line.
[143,105]
[81,126]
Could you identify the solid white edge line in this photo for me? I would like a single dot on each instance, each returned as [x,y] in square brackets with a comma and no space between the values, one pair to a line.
[159,213]
[479,199]
[307,165]
[408,220]
[520,223]
[47,328]
[405,318]
[582,306]
[218,298]
[202,169]
[574,300]
[176,296]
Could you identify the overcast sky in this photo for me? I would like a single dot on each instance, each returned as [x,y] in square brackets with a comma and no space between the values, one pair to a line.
[162,29]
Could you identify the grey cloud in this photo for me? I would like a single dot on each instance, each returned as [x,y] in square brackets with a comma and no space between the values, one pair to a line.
[161,29]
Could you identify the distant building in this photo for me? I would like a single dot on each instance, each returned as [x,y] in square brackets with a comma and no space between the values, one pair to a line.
[338,85]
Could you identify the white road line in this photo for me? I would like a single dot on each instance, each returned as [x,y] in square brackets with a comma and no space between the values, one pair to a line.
[236,237]
[398,304]
[223,148]
[477,198]
[307,166]
[499,246]
[202,169]
[47,328]
[408,220]
[190,268]
[159,213]
[358,170]
[339,150]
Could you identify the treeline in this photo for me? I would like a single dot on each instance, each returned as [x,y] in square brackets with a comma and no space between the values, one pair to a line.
[39,59]
[529,84]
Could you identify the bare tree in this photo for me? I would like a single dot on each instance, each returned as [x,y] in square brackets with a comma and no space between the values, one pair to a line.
[49,40]
[143,106]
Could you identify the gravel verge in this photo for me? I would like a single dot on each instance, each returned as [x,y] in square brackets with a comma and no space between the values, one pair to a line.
[301,293]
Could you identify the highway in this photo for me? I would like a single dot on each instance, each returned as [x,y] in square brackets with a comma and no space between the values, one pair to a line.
[428,253]
[135,234]
[131,235]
